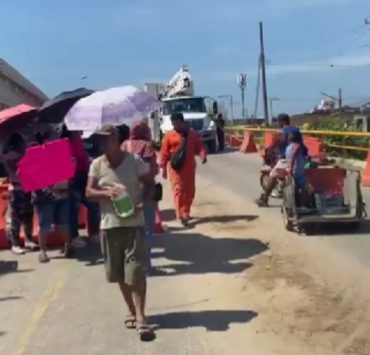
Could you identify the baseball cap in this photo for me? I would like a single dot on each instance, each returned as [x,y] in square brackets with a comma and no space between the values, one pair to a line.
[107,130]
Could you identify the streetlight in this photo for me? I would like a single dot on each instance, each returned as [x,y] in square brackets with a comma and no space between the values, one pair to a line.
[242,83]
[231,103]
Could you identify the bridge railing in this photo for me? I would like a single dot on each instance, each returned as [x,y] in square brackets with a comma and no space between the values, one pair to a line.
[347,144]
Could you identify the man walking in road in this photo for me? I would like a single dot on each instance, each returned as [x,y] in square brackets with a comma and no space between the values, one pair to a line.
[123,237]
[179,147]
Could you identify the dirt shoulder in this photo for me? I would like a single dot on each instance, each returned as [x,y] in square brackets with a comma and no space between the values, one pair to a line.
[302,298]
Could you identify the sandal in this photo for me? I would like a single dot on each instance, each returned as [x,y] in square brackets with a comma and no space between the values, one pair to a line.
[43,258]
[145,332]
[262,202]
[130,322]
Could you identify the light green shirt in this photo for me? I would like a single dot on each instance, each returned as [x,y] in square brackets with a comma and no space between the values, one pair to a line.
[126,174]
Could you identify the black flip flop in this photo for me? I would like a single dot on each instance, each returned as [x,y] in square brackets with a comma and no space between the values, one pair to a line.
[145,332]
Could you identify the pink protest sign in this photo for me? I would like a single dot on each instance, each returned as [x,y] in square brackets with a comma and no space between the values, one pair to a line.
[46,165]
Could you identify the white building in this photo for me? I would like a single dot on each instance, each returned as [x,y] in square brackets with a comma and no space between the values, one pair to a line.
[16,89]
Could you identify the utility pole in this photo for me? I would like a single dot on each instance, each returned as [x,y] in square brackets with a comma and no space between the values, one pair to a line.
[243,102]
[263,69]
[232,108]
[242,82]
[340,101]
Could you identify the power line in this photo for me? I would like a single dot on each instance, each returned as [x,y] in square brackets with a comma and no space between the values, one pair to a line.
[352,41]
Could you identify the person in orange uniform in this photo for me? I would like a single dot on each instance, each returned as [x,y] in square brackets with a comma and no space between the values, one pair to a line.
[182,178]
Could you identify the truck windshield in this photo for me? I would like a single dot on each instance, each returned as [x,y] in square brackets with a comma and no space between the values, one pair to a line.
[184,105]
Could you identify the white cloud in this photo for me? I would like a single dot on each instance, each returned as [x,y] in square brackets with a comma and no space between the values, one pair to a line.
[355,60]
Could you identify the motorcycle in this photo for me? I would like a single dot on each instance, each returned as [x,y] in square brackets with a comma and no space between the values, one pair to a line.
[264,180]
[270,158]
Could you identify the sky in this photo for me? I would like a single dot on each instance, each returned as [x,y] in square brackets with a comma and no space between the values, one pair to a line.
[312,46]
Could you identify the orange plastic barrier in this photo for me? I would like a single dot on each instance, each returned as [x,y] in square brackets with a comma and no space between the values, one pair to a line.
[235,142]
[158,226]
[366,172]
[248,145]
[315,148]
[54,238]
[270,139]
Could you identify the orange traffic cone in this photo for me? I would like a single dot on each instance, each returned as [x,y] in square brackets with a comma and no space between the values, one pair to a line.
[366,172]
[248,146]
[158,227]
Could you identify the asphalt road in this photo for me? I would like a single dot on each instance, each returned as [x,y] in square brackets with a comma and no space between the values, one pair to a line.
[239,174]
[223,285]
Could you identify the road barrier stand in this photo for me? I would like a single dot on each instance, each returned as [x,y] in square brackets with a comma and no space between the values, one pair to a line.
[366,172]
[248,145]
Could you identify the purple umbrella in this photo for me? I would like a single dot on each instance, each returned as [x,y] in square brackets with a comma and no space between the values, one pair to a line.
[114,106]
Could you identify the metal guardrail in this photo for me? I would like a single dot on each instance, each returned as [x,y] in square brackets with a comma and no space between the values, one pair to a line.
[344,135]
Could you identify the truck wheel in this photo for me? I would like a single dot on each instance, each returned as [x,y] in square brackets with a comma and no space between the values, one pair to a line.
[212,146]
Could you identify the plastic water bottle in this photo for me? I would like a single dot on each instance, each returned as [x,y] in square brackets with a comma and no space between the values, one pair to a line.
[123,205]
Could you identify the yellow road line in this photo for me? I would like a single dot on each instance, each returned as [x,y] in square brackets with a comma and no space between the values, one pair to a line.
[48,298]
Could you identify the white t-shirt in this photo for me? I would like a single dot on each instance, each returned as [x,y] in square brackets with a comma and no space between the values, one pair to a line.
[126,174]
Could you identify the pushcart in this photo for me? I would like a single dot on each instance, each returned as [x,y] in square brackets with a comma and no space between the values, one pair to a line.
[333,196]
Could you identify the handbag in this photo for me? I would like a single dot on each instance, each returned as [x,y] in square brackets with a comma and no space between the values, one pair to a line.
[178,159]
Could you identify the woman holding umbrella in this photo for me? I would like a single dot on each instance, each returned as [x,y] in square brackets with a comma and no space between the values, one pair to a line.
[52,206]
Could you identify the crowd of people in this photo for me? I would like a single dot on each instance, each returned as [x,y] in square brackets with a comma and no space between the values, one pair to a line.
[125,162]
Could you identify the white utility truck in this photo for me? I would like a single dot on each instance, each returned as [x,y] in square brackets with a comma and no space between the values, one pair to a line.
[178,96]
